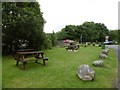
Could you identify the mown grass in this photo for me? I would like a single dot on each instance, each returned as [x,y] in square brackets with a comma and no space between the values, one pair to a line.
[60,71]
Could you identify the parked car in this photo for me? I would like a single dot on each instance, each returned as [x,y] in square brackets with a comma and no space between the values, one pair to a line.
[108,42]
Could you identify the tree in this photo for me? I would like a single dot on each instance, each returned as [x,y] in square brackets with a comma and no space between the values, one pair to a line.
[113,35]
[118,36]
[22,23]
[89,31]
[61,35]
[102,31]
[69,32]
[53,39]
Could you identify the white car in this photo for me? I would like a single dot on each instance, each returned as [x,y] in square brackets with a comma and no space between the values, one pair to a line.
[108,42]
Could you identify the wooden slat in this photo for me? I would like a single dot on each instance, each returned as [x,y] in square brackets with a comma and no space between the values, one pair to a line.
[25,50]
[34,52]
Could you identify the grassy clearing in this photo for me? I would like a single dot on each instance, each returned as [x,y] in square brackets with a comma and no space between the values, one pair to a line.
[60,71]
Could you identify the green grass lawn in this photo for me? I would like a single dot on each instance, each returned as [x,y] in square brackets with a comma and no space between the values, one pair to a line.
[60,71]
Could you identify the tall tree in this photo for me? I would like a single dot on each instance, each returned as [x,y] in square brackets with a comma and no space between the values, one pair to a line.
[22,23]
[102,31]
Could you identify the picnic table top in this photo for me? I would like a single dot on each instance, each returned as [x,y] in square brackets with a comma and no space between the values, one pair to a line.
[24,50]
[32,52]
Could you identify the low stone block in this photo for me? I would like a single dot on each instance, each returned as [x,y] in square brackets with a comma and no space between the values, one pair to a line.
[98,63]
[103,56]
[86,73]
[105,51]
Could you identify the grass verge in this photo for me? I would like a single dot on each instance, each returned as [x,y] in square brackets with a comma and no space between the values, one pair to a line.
[60,71]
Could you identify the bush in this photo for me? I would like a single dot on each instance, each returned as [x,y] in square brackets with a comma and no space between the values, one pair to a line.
[103,46]
[48,44]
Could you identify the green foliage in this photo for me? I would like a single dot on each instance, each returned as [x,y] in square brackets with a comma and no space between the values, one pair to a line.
[103,46]
[22,23]
[53,39]
[48,43]
[113,35]
[101,32]
[118,36]
[90,31]
[61,34]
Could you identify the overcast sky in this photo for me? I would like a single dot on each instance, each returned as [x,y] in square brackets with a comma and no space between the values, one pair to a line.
[59,13]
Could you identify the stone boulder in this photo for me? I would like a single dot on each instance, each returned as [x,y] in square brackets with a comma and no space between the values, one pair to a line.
[86,73]
[105,51]
[103,56]
[98,63]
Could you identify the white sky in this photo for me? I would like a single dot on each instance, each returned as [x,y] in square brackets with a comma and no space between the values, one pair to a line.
[59,13]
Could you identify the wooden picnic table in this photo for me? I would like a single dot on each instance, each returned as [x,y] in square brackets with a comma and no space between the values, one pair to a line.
[22,57]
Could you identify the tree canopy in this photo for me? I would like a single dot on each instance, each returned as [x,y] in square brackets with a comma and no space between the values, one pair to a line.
[89,31]
[22,24]
[114,35]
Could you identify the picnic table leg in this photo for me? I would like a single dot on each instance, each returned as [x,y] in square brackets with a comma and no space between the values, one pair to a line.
[35,61]
[24,65]
[36,56]
[17,63]
[44,62]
